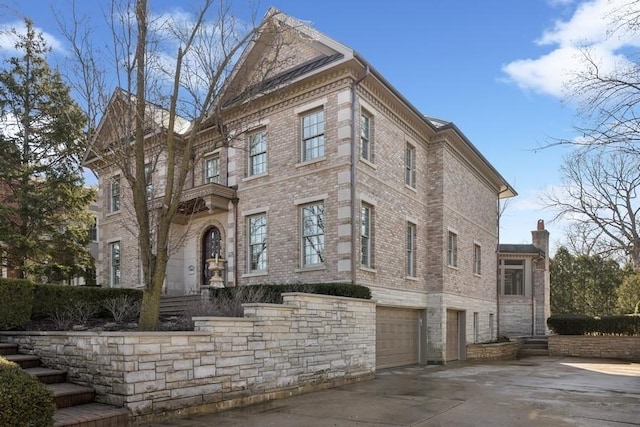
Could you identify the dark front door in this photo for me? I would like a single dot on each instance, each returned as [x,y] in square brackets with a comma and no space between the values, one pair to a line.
[211,246]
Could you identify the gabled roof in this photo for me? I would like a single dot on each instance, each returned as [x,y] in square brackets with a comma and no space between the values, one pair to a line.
[331,53]
[521,249]
[157,116]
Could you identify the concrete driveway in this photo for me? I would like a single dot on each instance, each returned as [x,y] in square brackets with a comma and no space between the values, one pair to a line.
[535,391]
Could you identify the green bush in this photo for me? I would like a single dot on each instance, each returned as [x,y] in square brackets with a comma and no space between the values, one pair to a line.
[51,299]
[17,298]
[273,293]
[578,324]
[24,401]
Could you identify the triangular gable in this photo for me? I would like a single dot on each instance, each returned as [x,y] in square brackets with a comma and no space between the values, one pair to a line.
[114,124]
[285,50]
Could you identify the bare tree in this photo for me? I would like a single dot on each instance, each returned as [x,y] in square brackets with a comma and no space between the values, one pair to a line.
[599,197]
[181,91]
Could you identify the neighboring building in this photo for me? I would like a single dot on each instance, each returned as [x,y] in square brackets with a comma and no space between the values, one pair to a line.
[525,286]
[335,177]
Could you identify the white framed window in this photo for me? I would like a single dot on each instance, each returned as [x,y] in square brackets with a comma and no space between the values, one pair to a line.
[312,135]
[452,249]
[114,263]
[366,235]
[114,191]
[366,140]
[257,243]
[411,250]
[257,153]
[212,169]
[410,166]
[512,277]
[313,234]
[477,259]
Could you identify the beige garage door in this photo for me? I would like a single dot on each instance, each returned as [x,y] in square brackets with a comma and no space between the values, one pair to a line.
[453,336]
[397,337]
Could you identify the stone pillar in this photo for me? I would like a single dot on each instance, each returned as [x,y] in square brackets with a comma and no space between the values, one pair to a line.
[541,278]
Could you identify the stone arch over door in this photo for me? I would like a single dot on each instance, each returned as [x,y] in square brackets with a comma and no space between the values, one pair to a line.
[211,244]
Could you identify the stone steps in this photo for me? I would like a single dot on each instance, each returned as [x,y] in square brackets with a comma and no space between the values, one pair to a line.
[534,346]
[75,404]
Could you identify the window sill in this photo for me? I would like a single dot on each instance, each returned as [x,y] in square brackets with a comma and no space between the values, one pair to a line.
[453,267]
[368,269]
[112,213]
[255,274]
[252,177]
[414,189]
[412,278]
[368,163]
[310,162]
[478,275]
[311,268]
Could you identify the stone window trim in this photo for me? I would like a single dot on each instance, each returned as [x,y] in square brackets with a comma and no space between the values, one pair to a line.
[115,262]
[257,243]
[115,193]
[257,153]
[367,146]
[312,135]
[410,250]
[452,248]
[477,258]
[367,235]
[211,168]
[312,234]
[410,166]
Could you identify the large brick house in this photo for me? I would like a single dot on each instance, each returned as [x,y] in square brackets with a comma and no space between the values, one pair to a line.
[336,178]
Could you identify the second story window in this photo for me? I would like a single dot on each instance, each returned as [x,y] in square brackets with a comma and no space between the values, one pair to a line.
[452,249]
[148,179]
[313,135]
[93,230]
[212,169]
[366,142]
[114,200]
[410,166]
[477,259]
[257,153]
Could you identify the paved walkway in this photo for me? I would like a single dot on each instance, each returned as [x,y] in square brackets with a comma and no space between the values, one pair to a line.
[535,391]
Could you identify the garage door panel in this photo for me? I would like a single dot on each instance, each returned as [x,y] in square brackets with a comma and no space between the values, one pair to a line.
[397,337]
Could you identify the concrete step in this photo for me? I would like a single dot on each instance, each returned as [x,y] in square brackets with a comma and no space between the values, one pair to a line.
[24,360]
[91,415]
[7,349]
[47,375]
[526,352]
[67,394]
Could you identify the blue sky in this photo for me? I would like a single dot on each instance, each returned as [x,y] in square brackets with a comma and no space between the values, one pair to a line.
[495,68]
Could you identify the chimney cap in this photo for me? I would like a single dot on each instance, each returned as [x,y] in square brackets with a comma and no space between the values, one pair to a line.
[540,224]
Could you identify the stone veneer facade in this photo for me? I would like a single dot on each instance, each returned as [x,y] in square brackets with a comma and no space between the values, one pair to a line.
[623,348]
[308,343]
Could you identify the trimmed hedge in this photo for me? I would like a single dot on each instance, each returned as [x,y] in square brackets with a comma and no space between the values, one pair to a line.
[579,324]
[24,401]
[17,298]
[49,299]
[273,293]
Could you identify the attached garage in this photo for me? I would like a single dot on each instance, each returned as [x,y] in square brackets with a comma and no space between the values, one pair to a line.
[397,337]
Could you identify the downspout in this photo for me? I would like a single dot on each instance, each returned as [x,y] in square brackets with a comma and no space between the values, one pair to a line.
[354,223]
[498,272]
[235,240]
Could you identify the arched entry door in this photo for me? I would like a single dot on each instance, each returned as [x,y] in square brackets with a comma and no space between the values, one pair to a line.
[211,246]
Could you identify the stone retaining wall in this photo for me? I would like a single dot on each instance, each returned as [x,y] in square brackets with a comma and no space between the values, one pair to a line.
[308,343]
[624,348]
[493,351]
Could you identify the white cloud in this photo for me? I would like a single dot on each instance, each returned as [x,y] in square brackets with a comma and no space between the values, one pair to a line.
[589,26]
[8,37]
